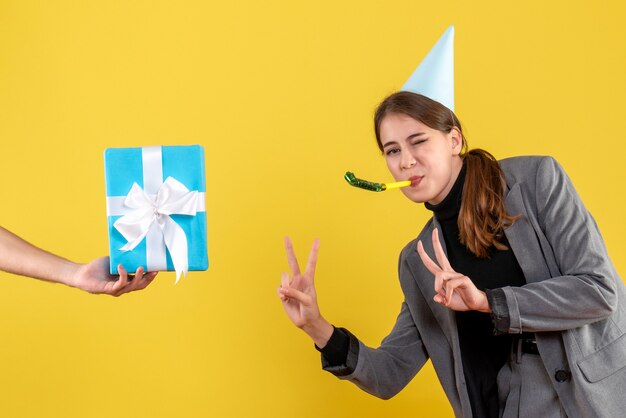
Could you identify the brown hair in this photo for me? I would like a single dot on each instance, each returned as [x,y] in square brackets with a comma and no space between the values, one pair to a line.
[483,217]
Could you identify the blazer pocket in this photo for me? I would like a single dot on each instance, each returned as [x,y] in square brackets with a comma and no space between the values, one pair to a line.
[604,362]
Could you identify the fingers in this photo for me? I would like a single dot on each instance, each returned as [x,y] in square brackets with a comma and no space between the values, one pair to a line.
[134,281]
[293,262]
[461,285]
[291,258]
[122,281]
[126,284]
[428,262]
[284,280]
[310,265]
[442,280]
[440,253]
[291,293]
[141,280]
[452,285]
[286,290]
[147,279]
[138,273]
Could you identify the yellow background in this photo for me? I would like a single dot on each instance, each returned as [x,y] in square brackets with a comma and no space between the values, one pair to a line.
[281,96]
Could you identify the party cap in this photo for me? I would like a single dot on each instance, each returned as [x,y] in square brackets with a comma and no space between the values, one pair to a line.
[434,77]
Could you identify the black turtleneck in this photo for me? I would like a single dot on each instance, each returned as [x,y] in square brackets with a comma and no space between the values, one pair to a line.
[483,352]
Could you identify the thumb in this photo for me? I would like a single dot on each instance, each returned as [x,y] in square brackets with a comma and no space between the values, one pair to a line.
[301,297]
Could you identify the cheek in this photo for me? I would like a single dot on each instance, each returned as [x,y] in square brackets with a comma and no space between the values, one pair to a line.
[417,196]
[437,175]
[392,166]
[441,178]
[438,163]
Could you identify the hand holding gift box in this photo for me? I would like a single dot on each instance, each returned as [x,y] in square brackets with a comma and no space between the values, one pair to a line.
[155,208]
[18,256]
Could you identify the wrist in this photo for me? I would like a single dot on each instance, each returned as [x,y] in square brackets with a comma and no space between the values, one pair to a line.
[69,274]
[484,304]
[320,331]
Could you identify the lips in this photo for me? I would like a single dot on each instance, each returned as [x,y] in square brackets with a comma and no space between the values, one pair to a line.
[415,180]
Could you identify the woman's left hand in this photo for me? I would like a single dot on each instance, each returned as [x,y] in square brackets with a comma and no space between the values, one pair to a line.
[454,290]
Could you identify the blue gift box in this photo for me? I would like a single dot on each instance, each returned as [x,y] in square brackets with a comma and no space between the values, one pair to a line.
[150,175]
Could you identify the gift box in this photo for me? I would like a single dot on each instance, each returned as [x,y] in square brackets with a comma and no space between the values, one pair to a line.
[156,208]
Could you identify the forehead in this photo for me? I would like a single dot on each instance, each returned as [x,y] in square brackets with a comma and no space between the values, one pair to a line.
[397,126]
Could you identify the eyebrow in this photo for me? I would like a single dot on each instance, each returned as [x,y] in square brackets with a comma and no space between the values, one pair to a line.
[415,135]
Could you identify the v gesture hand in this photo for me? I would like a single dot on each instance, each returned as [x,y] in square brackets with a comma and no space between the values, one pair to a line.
[298,292]
[453,290]
[300,299]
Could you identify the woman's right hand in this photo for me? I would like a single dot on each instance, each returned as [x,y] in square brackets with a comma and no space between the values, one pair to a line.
[299,298]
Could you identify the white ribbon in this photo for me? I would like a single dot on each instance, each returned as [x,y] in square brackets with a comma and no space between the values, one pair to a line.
[150,212]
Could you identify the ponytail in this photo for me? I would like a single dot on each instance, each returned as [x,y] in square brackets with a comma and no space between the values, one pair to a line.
[483,217]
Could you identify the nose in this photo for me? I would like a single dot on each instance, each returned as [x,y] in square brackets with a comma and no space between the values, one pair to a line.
[407,160]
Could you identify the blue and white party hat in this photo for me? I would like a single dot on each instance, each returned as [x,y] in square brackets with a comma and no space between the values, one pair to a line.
[434,77]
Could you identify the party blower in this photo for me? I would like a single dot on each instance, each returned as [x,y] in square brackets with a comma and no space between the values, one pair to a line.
[374,187]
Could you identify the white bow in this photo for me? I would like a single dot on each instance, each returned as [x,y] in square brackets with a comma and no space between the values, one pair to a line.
[173,198]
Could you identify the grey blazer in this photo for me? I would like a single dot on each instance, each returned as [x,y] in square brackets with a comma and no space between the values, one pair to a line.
[574,302]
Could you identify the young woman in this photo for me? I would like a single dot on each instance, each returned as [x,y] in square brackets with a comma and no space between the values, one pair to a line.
[522,314]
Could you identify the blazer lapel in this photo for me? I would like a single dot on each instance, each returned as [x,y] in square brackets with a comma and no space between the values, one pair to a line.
[444,316]
[426,282]
[523,238]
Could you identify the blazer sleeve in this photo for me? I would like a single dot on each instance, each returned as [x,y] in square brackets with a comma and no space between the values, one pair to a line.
[586,290]
[385,370]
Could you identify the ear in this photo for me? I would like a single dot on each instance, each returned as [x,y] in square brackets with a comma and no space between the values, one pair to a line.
[456,140]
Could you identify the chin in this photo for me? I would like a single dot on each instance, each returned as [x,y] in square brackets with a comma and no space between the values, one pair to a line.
[416,197]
